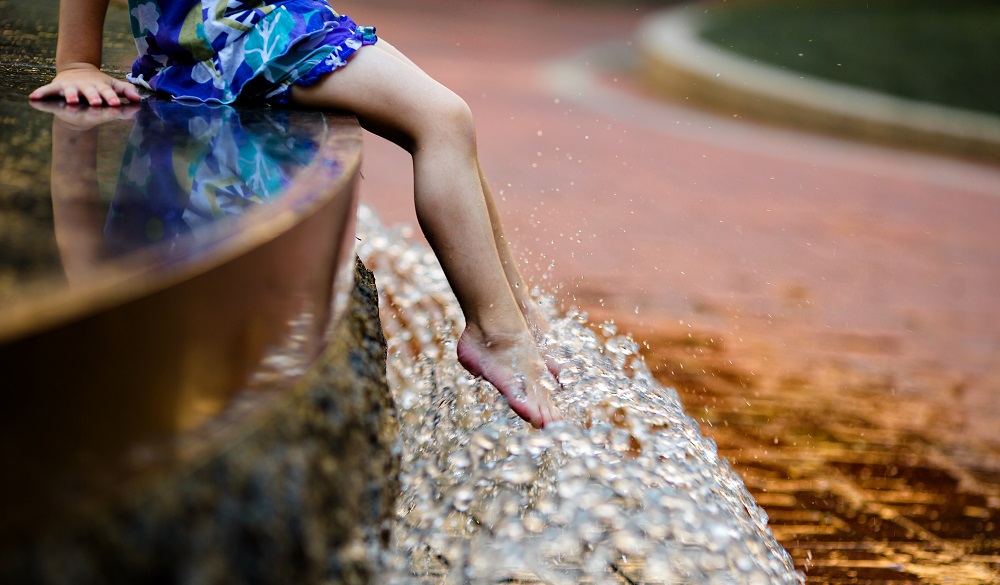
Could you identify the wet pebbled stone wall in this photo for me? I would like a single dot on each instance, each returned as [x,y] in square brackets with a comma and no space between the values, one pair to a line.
[304,496]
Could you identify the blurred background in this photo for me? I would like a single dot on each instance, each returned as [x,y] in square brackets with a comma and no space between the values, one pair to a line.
[793,206]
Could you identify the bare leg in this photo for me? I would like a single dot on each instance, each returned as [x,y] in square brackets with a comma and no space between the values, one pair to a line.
[516,281]
[394,99]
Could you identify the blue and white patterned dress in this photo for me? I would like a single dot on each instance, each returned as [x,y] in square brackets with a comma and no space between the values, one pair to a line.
[247,50]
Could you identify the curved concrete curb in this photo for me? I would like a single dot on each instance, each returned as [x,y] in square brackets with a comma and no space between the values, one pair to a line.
[676,61]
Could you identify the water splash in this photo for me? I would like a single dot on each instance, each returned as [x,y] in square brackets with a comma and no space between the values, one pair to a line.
[626,489]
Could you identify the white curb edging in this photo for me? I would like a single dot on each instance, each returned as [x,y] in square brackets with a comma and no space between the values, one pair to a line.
[669,39]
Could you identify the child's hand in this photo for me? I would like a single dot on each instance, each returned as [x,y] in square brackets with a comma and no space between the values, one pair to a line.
[88,83]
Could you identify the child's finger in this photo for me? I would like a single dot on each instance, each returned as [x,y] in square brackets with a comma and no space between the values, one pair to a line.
[93,96]
[47,90]
[110,96]
[99,94]
[126,89]
[71,94]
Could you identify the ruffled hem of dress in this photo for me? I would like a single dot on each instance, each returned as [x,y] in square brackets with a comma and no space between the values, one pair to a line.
[364,34]
[147,84]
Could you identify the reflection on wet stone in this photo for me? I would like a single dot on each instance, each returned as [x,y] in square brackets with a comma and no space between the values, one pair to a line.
[188,164]
[626,489]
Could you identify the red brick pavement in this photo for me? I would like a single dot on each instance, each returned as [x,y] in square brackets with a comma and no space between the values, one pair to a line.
[845,281]
[828,250]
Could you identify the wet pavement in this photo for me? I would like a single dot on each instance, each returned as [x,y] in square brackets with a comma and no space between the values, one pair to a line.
[826,308]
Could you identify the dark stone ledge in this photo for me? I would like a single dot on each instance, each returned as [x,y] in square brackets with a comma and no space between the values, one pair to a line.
[203,402]
[301,494]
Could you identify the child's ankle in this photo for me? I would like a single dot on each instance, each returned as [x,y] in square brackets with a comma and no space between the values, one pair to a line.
[503,332]
[499,339]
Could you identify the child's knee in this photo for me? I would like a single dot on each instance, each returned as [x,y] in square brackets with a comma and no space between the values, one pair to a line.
[460,115]
[452,117]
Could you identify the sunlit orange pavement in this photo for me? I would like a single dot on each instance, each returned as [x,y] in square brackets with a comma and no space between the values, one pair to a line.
[841,298]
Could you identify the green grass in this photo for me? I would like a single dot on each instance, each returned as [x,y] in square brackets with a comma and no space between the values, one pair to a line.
[942,51]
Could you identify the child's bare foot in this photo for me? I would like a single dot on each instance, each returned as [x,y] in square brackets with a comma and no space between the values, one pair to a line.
[512,364]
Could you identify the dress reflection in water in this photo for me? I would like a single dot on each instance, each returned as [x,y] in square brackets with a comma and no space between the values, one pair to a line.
[187,164]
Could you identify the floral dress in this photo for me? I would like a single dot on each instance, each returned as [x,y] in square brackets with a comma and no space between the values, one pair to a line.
[249,50]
